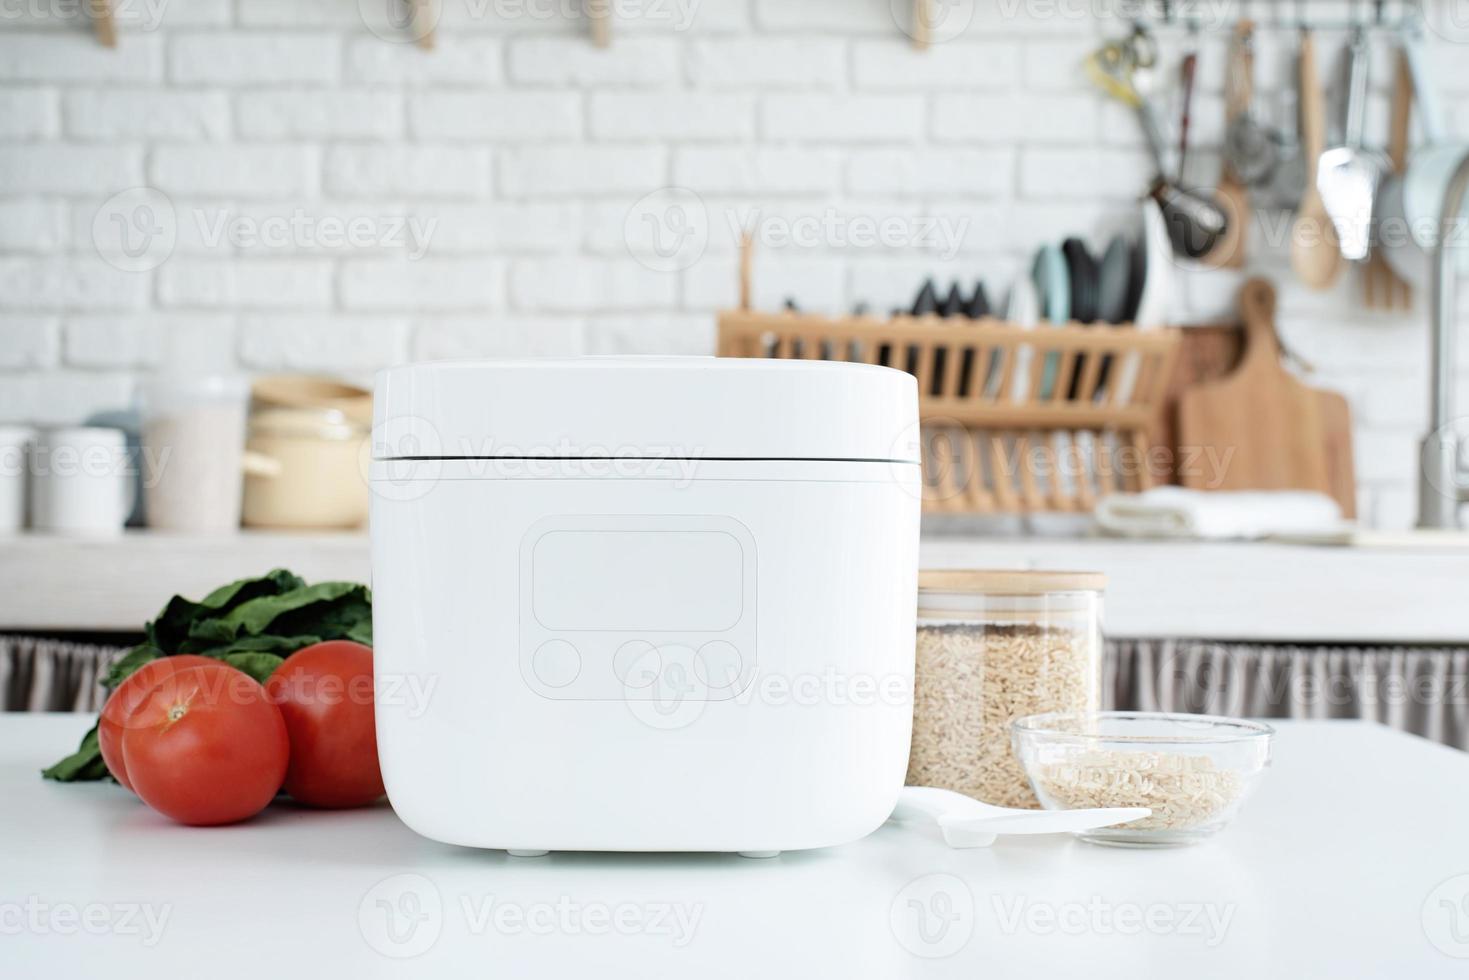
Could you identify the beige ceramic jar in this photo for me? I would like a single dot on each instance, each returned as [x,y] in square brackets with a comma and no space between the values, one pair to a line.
[303,447]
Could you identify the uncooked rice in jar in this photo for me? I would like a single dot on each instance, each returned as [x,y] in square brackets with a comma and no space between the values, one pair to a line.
[1183,791]
[972,680]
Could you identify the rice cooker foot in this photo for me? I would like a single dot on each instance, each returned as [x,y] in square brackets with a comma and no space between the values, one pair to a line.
[759,854]
[525,852]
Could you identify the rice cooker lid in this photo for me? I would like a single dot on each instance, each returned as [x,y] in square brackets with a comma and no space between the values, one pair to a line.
[674,407]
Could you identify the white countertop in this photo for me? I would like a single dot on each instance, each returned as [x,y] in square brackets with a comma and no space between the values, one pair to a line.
[1336,868]
[1245,591]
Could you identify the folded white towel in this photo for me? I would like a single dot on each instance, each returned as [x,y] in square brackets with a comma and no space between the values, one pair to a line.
[1175,512]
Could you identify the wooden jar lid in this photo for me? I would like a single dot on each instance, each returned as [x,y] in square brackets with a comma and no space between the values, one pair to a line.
[1009,581]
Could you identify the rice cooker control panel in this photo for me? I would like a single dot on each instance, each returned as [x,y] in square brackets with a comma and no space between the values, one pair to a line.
[638,608]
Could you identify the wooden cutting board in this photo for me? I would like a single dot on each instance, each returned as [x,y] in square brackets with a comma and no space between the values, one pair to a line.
[1262,429]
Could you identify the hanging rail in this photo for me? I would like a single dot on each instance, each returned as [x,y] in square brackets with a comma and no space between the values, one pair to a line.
[1271,15]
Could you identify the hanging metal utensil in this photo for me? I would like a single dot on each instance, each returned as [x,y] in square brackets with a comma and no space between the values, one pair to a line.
[1249,145]
[1349,175]
[1288,180]
[1195,220]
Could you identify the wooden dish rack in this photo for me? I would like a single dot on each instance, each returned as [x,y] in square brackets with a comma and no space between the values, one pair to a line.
[1015,419]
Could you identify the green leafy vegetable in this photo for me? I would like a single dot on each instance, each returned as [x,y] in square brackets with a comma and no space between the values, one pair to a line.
[122,668]
[85,763]
[258,665]
[181,617]
[252,625]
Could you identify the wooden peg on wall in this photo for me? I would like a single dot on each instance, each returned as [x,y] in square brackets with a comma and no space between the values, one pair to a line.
[747,254]
[421,22]
[599,12]
[103,23]
[922,18]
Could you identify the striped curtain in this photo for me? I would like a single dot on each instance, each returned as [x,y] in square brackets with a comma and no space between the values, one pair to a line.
[1423,690]
[52,675]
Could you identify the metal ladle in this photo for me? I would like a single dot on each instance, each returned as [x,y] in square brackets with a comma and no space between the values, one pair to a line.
[1349,175]
[1194,219]
[1250,146]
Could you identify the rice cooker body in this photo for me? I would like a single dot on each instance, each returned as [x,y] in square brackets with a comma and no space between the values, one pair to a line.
[638,652]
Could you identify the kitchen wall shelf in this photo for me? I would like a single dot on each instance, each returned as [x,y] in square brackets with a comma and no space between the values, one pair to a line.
[1399,593]
[1015,419]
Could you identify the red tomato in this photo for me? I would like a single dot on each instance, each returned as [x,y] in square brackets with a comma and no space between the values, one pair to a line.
[325,694]
[129,695]
[206,746]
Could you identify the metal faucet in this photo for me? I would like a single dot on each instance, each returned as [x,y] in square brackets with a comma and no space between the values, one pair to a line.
[1441,485]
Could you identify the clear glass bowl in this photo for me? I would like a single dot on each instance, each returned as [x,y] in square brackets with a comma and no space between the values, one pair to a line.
[1193,771]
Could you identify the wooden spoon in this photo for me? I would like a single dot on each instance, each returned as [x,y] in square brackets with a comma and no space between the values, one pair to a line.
[1315,253]
[1230,193]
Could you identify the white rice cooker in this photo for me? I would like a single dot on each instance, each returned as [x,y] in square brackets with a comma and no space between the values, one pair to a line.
[644,604]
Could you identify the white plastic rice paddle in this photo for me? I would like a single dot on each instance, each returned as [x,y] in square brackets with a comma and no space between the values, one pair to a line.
[966,822]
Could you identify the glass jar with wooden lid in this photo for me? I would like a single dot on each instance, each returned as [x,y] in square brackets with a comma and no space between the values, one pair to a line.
[994,646]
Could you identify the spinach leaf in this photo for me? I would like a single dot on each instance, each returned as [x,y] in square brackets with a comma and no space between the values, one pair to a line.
[258,665]
[348,615]
[281,646]
[122,668]
[83,764]
[174,624]
[257,615]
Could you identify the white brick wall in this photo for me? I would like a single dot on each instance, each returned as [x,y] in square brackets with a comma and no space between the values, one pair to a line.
[236,58]
[673,117]
[30,341]
[632,61]
[110,114]
[495,116]
[294,114]
[333,199]
[29,224]
[247,171]
[420,171]
[29,114]
[843,118]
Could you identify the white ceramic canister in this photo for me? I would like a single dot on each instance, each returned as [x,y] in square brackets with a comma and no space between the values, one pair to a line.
[193,444]
[82,481]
